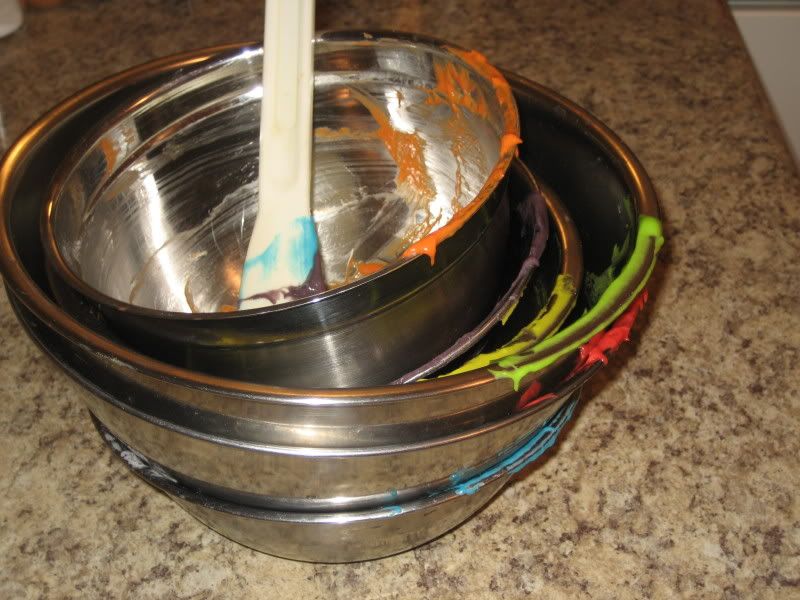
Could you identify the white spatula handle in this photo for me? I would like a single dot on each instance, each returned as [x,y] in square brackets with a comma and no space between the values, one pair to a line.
[287,103]
[284,242]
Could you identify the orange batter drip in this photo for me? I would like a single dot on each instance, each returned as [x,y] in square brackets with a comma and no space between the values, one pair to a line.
[356,269]
[368,268]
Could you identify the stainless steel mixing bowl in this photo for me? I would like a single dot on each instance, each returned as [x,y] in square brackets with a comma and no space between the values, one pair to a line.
[396,474]
[439,407]
[347,536]
[601,181]
[296,473]
[151,216]
[342,536]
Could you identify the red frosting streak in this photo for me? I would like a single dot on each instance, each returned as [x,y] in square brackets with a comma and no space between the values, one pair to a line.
[611,339]
[530,397]
[593,351]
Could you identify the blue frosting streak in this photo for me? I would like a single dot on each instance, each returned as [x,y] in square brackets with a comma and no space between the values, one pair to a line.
[458,476]
[538,444]
[297,245]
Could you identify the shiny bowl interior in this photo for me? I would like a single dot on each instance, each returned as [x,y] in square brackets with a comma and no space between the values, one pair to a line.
[150,216]
[156,207]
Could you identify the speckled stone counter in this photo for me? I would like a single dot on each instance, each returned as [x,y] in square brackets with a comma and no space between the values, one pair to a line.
[680,474]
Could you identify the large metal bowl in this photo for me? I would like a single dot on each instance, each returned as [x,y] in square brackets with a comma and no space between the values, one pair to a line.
[151,216]
[351,535]
[601,181]
[432,408]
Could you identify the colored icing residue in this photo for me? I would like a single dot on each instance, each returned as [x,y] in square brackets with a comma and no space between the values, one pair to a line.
[597,349]
[611,304]
[295,248]
[533,211]
[429,243]
[313,284]
[406,149]
[594,351]
[344,133]
[596,284]
[561,301]
[505,97]
[538,444]
[456,87]
[533,396]
[368,268]
[450,86]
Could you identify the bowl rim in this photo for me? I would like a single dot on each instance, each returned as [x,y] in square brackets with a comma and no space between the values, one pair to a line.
[494,176]
[644,199]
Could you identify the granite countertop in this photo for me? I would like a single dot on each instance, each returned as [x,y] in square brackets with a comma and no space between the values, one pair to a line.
[680,475]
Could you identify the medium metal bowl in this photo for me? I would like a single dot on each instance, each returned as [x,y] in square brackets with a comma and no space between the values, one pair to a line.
[599,178]
[150,217]
[295,473]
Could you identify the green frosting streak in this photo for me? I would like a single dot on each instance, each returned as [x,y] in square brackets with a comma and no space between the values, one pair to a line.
[596,284]
[561,301]
[649,235]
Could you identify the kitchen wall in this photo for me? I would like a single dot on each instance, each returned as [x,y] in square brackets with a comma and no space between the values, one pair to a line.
[771,30]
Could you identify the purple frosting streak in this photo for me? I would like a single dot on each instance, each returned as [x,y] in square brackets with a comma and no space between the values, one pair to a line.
[533,208]
[314,284]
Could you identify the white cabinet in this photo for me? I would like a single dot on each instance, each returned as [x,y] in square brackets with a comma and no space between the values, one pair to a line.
[771,31]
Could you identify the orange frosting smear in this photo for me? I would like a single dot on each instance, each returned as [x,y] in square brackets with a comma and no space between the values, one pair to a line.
[508,149]
[509,143]
[455,86]
[368,268]
[406,149]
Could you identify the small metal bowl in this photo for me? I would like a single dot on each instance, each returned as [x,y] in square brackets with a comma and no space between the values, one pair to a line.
[151,216]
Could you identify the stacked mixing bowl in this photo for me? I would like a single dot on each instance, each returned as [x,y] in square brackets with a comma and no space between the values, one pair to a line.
[373,417]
